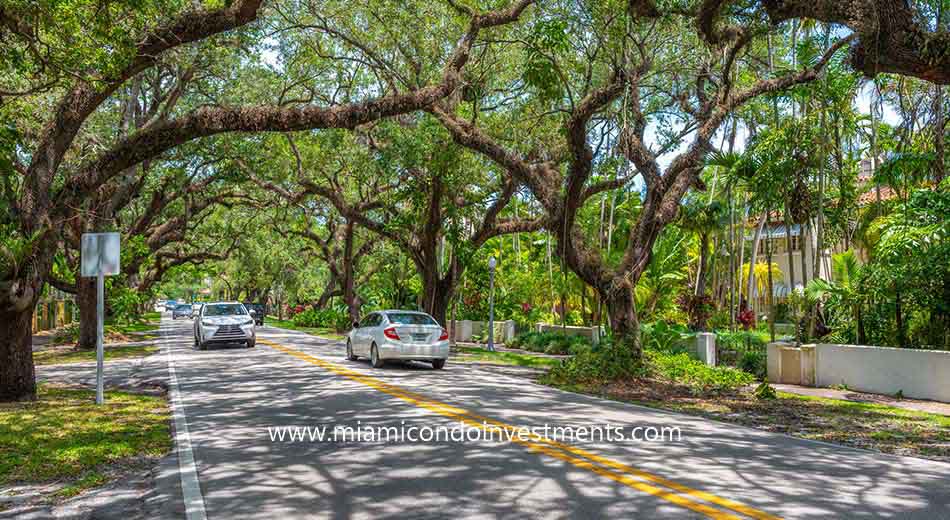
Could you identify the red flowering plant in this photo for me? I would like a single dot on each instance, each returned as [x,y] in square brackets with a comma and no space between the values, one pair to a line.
[746,318]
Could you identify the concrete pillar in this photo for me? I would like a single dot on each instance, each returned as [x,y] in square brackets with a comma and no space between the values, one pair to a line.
[509,333]
[706,347]
[595,335]
[463,330]
[792,365]
[773,361]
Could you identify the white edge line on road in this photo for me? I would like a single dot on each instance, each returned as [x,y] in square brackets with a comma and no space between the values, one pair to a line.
[187,469]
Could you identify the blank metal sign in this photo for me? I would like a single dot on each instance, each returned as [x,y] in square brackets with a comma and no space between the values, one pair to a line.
[100,253]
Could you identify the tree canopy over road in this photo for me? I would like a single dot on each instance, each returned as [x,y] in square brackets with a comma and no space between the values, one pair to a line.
[375,154]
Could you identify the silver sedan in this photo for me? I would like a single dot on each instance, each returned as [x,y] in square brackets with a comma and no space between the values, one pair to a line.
[398,335]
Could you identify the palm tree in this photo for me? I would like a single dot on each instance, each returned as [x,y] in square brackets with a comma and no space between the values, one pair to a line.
[665,272]
[702,218]
[844,288]
[761,276]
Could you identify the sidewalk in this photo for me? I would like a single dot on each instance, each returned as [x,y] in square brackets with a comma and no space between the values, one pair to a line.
[850,395]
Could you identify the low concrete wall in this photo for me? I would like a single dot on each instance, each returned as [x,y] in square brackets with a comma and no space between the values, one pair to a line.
[465,329]
[920,374]
[594,333]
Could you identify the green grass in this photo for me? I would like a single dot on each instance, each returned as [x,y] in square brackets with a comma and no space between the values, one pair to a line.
[56,356]
[65,436]
[89,480]
[504,358]
[146,323]
[138,329]
[323,332]
[857,408]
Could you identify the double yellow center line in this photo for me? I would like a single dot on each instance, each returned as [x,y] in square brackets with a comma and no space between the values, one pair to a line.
[708,504]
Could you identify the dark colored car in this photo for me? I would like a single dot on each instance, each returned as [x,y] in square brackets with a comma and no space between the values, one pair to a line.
[182,310]
[259,311]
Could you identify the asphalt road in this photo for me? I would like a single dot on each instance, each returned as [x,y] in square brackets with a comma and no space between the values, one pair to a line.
[231,396]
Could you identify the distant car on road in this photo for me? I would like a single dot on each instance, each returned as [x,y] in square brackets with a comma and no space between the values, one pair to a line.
[257,310]
[182,310]
[398,335]
[224,322]
[170,305]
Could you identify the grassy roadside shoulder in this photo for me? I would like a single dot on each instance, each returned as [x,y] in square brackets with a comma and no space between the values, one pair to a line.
[65,438]
[316,331]
[480,355]
[57,355]
[678,383]
[864,425]
[61,349]
[144,328]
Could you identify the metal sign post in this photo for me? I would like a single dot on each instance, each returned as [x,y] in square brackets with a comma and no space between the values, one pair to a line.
[100,257]
[491,304]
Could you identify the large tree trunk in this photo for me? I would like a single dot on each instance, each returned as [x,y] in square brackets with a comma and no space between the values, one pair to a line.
[624,324]
[349,289]
[438,290]
[86,301]
[329,291]
[17,377]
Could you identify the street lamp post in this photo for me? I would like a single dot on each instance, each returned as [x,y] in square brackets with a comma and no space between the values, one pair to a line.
[491,303]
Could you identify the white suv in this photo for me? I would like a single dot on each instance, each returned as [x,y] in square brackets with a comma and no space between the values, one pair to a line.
[403,335]
[224,323]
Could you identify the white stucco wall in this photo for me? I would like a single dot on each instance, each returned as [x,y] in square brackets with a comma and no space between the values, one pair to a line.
[465,329]
[921,374]
[594,333]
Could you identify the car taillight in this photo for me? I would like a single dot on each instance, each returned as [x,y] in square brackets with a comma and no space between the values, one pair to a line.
[391,333]
[444,336]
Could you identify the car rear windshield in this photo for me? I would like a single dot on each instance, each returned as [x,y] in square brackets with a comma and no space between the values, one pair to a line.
[227,309]
[183,307]
[410,318]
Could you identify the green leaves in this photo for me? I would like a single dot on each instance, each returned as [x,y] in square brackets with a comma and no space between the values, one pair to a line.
[546,41]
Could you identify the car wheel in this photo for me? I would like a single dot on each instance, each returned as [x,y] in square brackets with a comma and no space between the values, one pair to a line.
[349,351]
[438,364]
[374,357]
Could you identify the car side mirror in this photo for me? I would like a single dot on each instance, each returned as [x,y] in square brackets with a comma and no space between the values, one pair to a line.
[356,324]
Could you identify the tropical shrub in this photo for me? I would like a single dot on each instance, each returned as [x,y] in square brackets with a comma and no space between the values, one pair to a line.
[125,303]
[744,350]
[335,318]
[609,363]
[663,337]
[765,391]
[595,366]
[683,369]
[550,343]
